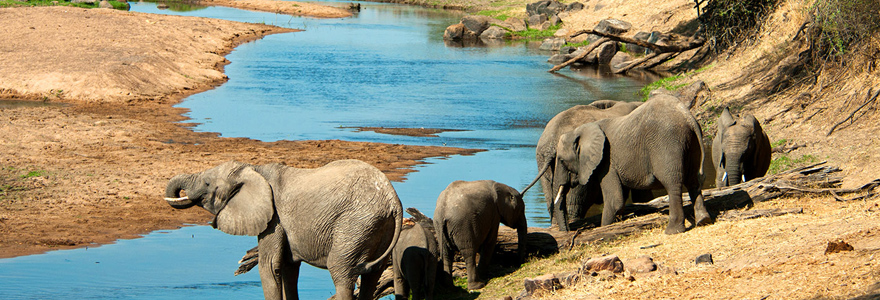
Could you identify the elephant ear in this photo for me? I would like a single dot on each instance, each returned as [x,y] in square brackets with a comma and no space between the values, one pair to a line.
[762,146]
[250,207]
[591,150]
[725,120]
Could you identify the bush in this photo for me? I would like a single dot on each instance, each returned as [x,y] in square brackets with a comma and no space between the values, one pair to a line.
[838,26]
[729,22]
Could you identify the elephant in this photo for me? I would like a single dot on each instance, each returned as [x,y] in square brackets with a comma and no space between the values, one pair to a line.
[740,150]
[657,145]
[566,121]
[344,217]
[467,217]
[414,263]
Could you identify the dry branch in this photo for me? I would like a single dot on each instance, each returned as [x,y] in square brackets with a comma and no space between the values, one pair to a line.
[666,51]
[579,57]
[870,100]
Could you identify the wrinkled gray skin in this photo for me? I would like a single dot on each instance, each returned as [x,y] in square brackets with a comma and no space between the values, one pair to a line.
[415,260]
[466,219]
[566,121]
[344,217]
[658,145]
[740,150]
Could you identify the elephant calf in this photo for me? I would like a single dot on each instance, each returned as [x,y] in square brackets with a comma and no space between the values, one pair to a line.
[740,150]
[344,217]
[414,263]
[467,217]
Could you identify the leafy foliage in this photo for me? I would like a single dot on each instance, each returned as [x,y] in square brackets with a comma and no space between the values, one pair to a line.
[729,22]
[839,24]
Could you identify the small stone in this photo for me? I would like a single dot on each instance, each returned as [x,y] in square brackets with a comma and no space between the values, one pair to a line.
[838,246]
[610,263]
[546,282]
[642,264]
[705,259]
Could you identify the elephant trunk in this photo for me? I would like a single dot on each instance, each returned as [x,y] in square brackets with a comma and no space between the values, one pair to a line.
[172,191]
[734,172]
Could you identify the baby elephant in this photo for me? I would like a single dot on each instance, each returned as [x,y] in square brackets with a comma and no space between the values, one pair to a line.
[740,150]
[415,262]
[467,218]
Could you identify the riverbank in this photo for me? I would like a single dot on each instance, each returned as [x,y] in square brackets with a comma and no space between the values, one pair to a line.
[86,159]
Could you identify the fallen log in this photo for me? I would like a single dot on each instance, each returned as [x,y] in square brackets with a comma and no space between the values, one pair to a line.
[673,45]
[586,52]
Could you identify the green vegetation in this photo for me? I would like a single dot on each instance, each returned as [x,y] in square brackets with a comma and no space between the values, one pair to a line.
[778,143]
[579,44]
[839,25]
[532,33]
[784,163]
[729,22]
[669,83]
[37,173]
[15,3]
[497,14]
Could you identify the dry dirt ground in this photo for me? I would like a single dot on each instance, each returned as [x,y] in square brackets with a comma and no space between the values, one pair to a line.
[86,160]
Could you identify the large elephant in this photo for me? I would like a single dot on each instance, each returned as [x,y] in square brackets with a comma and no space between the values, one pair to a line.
[566,121]
[657,145]
[467,217]
[344,217]
[414,263]
[740,150]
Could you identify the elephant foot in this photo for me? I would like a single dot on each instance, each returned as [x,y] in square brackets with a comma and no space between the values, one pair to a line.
[475,285]
[674,228]
[703,219]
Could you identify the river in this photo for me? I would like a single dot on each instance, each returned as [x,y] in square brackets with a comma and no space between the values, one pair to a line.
[387,66]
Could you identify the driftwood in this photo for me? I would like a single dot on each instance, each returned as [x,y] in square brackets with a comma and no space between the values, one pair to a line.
[665,51]
[870,99]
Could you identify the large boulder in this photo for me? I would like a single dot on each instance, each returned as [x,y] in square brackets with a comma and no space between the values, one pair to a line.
[552,44]
[477,24]
[574,6]
[493,33]
[612,26]
[546,7]
[535,21]
[457,32]
[650,37]
[606,52]
[514,24]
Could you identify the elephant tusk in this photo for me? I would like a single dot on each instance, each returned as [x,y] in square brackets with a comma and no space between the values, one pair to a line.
[181,199]
[744,178]
[558,197]
[725,177]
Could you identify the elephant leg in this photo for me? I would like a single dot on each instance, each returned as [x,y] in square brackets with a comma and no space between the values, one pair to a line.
[344,281]
[676,209]
[446,257]
[400,288]
[271,262]
[473,277]
[612,198]
[369,281]
[701,215]
[486,251]
[430,276]
[290,277]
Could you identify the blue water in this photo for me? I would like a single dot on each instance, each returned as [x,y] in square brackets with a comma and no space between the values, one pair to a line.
[385,67]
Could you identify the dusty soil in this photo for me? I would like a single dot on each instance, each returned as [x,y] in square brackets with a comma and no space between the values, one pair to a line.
[91,167]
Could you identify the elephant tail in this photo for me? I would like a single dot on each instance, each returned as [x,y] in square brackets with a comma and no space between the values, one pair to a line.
[373,266]
[540,173]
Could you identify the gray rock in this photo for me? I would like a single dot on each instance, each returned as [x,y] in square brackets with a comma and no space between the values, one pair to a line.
[552,44]
[558,58]
[642,264]
[612,26]
[454,32]
[606,52]
[544,26]
[494,32]
[546,7]
[476,24]
[537,20]
[515,24]
[554,20]
[574,6]
[105,4]
[620,60]
[704,259]
[547,282]
[605,263]
[695,94]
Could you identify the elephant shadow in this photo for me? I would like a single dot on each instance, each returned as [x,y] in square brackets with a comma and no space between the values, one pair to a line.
[715,205]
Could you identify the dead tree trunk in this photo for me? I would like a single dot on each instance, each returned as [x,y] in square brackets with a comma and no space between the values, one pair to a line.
[674,44]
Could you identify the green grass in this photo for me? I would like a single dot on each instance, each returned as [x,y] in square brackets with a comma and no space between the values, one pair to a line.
[30,174]
[669,82]
[532,33]
[784,163]
[497,14]
[778,143]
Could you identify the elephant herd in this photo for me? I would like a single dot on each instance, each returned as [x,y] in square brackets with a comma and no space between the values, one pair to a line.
[347,218]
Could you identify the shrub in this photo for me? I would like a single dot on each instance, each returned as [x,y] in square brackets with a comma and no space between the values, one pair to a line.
[838,25]
[729,22]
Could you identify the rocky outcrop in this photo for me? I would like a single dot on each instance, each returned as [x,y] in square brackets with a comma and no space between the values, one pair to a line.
[598,269]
